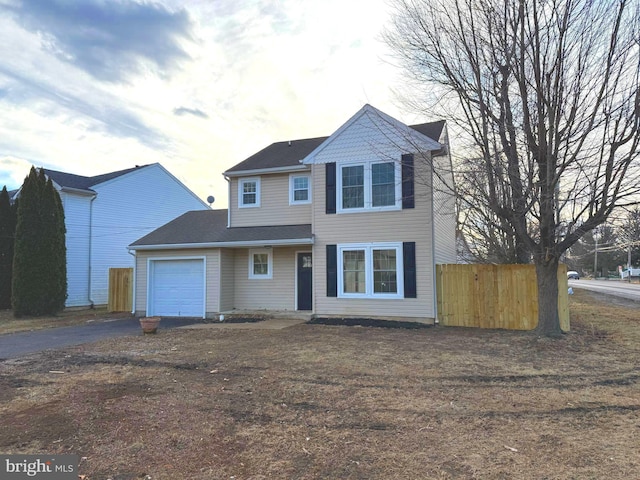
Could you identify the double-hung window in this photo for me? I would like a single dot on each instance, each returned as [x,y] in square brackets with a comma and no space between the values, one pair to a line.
[248,192]
[369,186]
[299,189]
[370,270]
[260,263]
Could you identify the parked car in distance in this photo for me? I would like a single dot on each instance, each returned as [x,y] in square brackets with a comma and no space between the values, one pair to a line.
[573,275]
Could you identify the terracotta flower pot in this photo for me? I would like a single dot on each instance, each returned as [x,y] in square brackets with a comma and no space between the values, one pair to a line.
[149,324]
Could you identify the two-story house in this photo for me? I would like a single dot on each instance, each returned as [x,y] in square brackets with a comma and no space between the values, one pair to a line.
[105,213]
[348,225]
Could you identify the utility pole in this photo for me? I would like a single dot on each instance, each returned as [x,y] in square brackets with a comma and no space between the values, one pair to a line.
[595,255]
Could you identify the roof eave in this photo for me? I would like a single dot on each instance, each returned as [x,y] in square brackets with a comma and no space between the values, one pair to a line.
[252,243]
[261,171]
[79,191]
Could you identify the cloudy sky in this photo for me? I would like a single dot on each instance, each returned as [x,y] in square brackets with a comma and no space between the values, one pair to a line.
[93,86]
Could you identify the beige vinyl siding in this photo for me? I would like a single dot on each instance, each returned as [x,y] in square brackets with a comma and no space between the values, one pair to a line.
[444,218]
[277,293]
[409,225]
[212,284]
[227,279]
[274,206]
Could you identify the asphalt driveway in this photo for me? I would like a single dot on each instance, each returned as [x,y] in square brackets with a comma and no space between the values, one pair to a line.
[15,345]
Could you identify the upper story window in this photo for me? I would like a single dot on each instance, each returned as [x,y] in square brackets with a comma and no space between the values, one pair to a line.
[371,186]
[249,192]
[299,189]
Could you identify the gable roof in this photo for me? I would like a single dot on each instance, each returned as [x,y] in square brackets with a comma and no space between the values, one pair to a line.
[397,133]
[288,155]
[208,228]
[78,182]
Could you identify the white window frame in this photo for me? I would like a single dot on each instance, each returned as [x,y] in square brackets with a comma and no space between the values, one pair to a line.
[241,183]
[368,258]
[269,274]
[292,200]
[368,201]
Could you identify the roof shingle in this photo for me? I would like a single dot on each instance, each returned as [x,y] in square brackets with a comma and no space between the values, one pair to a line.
[291,153]
[210,226]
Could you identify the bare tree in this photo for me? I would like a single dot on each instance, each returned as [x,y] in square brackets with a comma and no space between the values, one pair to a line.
[548,91]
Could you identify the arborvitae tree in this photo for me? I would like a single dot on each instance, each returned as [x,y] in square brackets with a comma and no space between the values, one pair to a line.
[7,235]
[39,262]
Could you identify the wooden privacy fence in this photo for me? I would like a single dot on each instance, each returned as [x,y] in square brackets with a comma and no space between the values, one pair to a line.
[494,296]
[120,289]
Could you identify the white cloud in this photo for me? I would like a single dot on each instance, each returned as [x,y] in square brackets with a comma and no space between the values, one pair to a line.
[237,76]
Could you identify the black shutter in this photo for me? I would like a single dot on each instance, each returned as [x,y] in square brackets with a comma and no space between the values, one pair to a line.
[332,270]
[330,182]
[409,263]
[408,196]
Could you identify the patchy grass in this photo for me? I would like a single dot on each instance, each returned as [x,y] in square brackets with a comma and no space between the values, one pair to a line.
[10,324]
[315,401]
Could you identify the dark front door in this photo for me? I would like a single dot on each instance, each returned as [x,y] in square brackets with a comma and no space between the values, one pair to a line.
[305,264]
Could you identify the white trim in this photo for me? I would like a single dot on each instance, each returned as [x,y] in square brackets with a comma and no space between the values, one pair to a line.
[260,171]
[368,200]
[150,262]
[248,243]
[292,179]
[368,249]
[415,138]
[269,274]
[241,183]
[296,279]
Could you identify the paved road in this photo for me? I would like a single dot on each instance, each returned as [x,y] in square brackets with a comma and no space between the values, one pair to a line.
[18,344]
[610,287]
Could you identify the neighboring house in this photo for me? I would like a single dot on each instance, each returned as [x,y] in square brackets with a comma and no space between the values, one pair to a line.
[105,213]
[349,225]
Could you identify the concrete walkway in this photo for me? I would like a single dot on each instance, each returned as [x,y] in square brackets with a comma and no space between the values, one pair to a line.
[270,324]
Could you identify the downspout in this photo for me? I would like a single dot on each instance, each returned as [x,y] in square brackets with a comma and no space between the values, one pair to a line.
[133,294]
[229,198]
[433,252]
[91,303]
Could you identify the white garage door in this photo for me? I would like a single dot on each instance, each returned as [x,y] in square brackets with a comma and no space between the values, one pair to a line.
[177,288]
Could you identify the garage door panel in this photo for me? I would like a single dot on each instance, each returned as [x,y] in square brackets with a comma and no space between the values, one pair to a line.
[177,288]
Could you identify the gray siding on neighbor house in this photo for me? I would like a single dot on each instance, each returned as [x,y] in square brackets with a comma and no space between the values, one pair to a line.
[127,208]
[274,206]
[444,217]
[77,210]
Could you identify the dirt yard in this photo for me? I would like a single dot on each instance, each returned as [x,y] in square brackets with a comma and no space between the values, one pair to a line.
[325,402]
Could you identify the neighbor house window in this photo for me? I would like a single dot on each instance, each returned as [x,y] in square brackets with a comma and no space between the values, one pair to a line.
[299,189]
[370,270]
[249,192]
[372,186]
[260,263]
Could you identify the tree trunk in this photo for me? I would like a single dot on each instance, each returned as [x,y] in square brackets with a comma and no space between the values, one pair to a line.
[548,318]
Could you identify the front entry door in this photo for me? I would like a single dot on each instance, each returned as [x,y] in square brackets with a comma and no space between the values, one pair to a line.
[305,264]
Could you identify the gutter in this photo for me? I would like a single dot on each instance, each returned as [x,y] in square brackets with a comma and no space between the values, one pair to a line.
[259,171]
[252,243]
